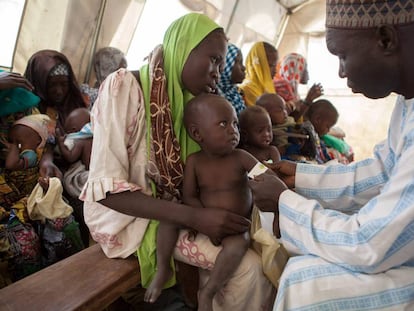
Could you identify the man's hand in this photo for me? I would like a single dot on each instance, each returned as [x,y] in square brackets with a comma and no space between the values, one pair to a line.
[286,170]
[267,189]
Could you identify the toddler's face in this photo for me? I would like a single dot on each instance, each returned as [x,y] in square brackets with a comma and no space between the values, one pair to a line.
[219,129]
[278,113]
[324,124]
[260,133]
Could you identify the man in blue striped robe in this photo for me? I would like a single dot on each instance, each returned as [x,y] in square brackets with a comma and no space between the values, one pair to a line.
[350,228]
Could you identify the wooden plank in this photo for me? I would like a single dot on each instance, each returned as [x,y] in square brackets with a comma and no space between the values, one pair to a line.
[87,280]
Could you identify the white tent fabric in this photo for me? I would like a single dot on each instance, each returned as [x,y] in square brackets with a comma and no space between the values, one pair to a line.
[73,27]
[79,28]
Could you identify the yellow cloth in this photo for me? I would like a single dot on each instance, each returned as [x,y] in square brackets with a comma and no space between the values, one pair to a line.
[274,255]
[49,205]
[258,79]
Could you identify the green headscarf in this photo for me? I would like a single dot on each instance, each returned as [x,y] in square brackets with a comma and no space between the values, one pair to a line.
[181,38]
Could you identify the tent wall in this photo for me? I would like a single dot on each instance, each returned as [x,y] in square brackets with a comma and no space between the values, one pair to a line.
[70,25]
[78,28]
[303,23]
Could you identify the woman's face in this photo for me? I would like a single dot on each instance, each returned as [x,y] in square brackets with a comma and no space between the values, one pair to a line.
[202,69]
[57,89]
[305,76]
[239,71]
[272,58]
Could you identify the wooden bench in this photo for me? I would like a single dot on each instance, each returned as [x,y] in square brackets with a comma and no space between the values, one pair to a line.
[87,280]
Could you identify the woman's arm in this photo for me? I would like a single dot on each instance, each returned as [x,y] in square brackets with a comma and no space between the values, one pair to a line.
[13,160]
[46,166]
[10,80]
[213,222]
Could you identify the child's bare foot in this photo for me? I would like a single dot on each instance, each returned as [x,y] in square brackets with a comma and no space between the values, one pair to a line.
[154,290]
[205,299]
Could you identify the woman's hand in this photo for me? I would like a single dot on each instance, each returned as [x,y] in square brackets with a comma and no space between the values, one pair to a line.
[218,223]
[49,169]
[46,166]
[9,80]
[267,189]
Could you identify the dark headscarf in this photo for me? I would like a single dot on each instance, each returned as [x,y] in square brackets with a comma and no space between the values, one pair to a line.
[37,72]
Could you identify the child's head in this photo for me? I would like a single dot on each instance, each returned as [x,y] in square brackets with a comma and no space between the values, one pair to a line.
[212,122]
[255,127]
[30,132]
[275,105]
[76,120]
[323,115]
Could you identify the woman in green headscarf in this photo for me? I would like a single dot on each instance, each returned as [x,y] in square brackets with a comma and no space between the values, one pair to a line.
[139,149]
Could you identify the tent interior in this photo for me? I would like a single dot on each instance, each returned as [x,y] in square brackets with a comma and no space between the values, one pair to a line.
[79,28]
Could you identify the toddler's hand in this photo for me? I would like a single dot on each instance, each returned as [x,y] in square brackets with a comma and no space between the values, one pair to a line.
[314,92]
[59,135]
[44,183]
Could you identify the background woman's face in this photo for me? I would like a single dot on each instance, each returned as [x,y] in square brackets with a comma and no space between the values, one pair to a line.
[239,70]
[272,58]
[305,76]
[202,69]
[57,89]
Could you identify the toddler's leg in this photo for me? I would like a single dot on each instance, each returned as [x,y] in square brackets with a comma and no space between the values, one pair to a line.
[234,248]
[166,239]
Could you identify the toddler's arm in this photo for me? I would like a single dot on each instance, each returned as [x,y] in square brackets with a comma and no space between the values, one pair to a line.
[69,155]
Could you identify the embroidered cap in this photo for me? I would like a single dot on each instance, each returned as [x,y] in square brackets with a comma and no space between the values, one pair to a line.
[359,14]
[59,70]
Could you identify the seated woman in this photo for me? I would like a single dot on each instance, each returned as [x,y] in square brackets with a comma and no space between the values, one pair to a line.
[24,214]
[260,68]
[294,71]
[106,60]
[51,74]
[138,153]
[232,75]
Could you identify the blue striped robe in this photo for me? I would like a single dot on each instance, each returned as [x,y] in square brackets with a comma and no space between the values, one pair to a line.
[352,229]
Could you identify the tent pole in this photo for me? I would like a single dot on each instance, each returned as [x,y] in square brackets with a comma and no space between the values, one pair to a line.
[233,12]
[95,41]
[17,37]
[282,28]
